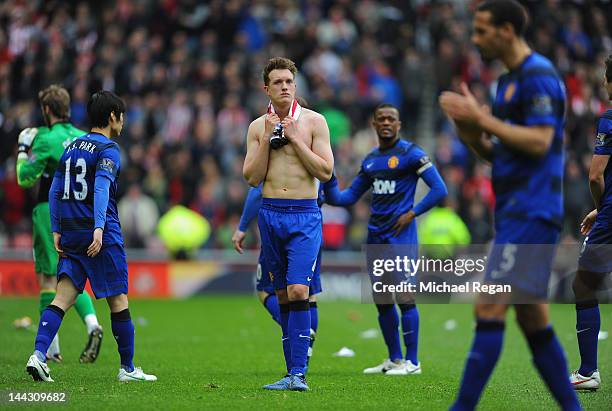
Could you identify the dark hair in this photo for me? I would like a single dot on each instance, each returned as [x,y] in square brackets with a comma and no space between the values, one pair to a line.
[101,105]
[609,69]
[278,63]
[57,99]
[385,105]
[506,11]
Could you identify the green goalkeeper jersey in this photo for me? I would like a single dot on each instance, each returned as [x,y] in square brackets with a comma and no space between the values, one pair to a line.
[47,148]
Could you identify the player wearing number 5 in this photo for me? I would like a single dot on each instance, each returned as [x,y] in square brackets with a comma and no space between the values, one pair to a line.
[523,140]
[87,235]
[46,145]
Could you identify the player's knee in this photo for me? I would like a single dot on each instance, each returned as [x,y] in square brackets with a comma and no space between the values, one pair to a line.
[117,303]
[48,282]
[405,299]
[297,292]
[66,293]
[282,296]
[531,317]
[262,295]
[63,301]
[495,312]
[586,284]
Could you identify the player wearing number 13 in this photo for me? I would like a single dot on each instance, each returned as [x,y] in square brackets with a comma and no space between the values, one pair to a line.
[83,206]
[45,146]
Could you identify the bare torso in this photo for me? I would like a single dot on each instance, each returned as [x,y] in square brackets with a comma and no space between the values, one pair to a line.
[287,177]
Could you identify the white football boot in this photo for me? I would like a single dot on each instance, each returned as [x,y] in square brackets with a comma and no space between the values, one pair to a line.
[136,375]
[383,368]
[38,369]
[580,382]
[407,368]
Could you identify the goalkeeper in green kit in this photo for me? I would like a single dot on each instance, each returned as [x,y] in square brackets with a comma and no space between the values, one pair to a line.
[46,146]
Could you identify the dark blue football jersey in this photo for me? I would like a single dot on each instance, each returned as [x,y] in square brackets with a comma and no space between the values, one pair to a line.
[526,187]
[603,146]
[87,157]
[393,175]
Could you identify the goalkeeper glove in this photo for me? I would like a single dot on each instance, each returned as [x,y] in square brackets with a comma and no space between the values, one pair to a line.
[26,137]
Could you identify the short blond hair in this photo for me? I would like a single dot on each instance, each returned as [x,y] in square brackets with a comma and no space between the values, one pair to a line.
[57,99]
[278,63]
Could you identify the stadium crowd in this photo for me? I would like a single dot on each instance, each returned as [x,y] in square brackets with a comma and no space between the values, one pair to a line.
[190,73]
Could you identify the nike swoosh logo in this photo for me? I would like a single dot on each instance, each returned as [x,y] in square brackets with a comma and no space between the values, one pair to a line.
[582,382]
[45,372]
[304,336]
[586,329]
[284,339]
[408,332]
[135,378]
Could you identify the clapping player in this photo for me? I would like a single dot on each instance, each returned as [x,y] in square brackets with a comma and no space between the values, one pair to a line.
[523,140]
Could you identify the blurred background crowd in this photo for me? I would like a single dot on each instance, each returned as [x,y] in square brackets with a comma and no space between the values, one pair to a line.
[190,73]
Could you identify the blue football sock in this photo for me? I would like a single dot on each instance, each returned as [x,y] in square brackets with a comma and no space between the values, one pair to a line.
[123,330]
[314,325]
[50,321]
[314,320]
[284,321]
[410,330]
[483,356]
[299,335]
[588,323]
[314,316]
[549,359]
[389,325]
[271,304]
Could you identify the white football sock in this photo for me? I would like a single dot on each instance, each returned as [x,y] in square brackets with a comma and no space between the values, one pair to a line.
[54,348]
[91,321]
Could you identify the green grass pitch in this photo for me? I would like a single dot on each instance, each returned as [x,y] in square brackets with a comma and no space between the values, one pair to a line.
[217,352]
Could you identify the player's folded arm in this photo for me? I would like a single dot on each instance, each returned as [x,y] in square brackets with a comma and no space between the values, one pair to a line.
[319,158]
[542,106]
[476,140]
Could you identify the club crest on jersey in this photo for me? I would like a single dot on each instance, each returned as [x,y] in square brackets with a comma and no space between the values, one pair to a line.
[383,186]
[509,93]
[393,162]
[600,140]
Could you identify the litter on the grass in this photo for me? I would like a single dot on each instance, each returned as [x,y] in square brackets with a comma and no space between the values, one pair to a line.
[450,325]
[369,334]
[344,352]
